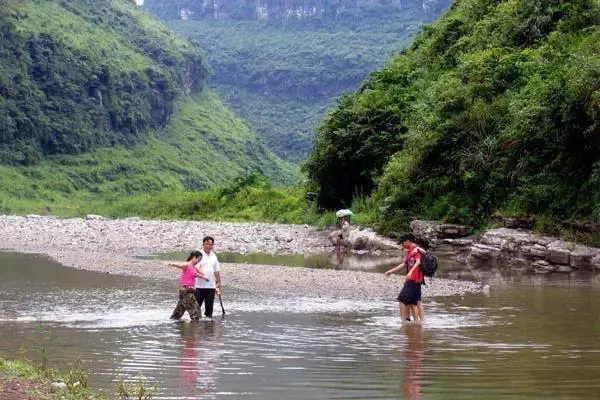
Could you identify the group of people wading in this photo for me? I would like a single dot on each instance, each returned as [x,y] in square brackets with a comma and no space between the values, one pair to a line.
[200,282]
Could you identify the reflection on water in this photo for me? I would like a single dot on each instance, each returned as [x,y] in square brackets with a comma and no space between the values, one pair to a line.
[521,341]
[200,344]
[413,354]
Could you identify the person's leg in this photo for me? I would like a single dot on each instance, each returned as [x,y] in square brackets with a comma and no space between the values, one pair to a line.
[210,301]
[179,308]
[415,312]
[421,310]
[191,306]
[199,295]
[404,312]
[334,237]
[404,299]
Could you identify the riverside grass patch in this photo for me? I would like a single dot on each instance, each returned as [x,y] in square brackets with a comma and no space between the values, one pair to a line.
[250,198]
[37,381]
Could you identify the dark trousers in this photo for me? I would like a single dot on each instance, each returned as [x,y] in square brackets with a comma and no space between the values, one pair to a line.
[208,296]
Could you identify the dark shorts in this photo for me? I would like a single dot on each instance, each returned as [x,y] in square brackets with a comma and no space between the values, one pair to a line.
[410,293]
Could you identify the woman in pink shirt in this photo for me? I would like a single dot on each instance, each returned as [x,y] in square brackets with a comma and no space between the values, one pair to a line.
[187,301]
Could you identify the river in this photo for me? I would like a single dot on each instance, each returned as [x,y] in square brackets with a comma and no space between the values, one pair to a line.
[522,340]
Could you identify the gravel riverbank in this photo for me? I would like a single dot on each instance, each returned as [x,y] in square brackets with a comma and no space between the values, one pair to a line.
[116,246]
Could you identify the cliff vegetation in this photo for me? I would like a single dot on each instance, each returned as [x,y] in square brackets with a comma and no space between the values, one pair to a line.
[495,109]
[280,64]
[100,100]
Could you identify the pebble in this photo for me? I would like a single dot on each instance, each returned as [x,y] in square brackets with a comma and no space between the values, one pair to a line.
[116,245]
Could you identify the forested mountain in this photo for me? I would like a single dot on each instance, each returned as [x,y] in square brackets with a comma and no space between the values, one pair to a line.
[495,108]
[80,75]
[280,64]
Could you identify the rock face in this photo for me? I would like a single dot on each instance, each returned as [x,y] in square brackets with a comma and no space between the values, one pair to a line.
[277,10]
[505,248]
[367,239]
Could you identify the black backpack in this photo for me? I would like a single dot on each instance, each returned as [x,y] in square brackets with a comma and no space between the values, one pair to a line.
[429,264]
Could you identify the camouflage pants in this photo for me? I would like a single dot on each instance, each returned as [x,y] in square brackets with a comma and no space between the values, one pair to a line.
[187,302]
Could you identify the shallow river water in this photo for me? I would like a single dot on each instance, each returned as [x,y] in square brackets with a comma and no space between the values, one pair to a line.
[523,340]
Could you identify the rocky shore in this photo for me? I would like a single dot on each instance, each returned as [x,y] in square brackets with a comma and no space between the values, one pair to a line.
[119,247]
[505,249]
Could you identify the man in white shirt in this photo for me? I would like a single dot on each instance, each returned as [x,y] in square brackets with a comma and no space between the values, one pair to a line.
[206,289]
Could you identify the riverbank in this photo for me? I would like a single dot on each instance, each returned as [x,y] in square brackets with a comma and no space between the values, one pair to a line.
[119,247]
[24,380]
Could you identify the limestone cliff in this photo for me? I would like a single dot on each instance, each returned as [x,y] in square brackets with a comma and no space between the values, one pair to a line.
[270,10]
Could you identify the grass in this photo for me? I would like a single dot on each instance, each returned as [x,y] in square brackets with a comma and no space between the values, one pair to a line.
[36,381]
[205,145]
[96,43]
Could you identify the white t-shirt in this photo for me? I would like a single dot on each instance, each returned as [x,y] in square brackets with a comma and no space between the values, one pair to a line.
[209,265]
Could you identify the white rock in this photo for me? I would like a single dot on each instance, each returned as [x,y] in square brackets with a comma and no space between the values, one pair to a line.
[59,384]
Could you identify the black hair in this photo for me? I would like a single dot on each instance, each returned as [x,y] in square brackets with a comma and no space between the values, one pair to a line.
[407,237]
[207,238]
[193,254]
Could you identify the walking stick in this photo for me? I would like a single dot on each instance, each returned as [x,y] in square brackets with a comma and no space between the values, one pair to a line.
[221,301]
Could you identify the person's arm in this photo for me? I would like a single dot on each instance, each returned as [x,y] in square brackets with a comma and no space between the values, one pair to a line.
[200,274]
[218,277]
[414,267]
[180,266]
[391,271]
[218,282]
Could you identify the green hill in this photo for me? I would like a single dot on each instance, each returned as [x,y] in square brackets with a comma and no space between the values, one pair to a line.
[494,109]
[196,152]
[99,98]
[280,64]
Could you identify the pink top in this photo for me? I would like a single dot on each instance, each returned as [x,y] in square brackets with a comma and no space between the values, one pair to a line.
[188,275]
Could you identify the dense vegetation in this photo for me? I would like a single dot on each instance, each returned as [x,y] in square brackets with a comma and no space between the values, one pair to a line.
[281,75]
[249,197]
[494,109]
[99,100]
[204,145]
[79,74]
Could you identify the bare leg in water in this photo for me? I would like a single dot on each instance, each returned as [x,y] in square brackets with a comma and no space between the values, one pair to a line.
[404,311]
[421,310]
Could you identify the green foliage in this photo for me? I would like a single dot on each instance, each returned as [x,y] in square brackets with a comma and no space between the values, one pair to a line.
[204,145]
[281,75]
[76,75]
[494,108]
[135,391]
[37,380]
